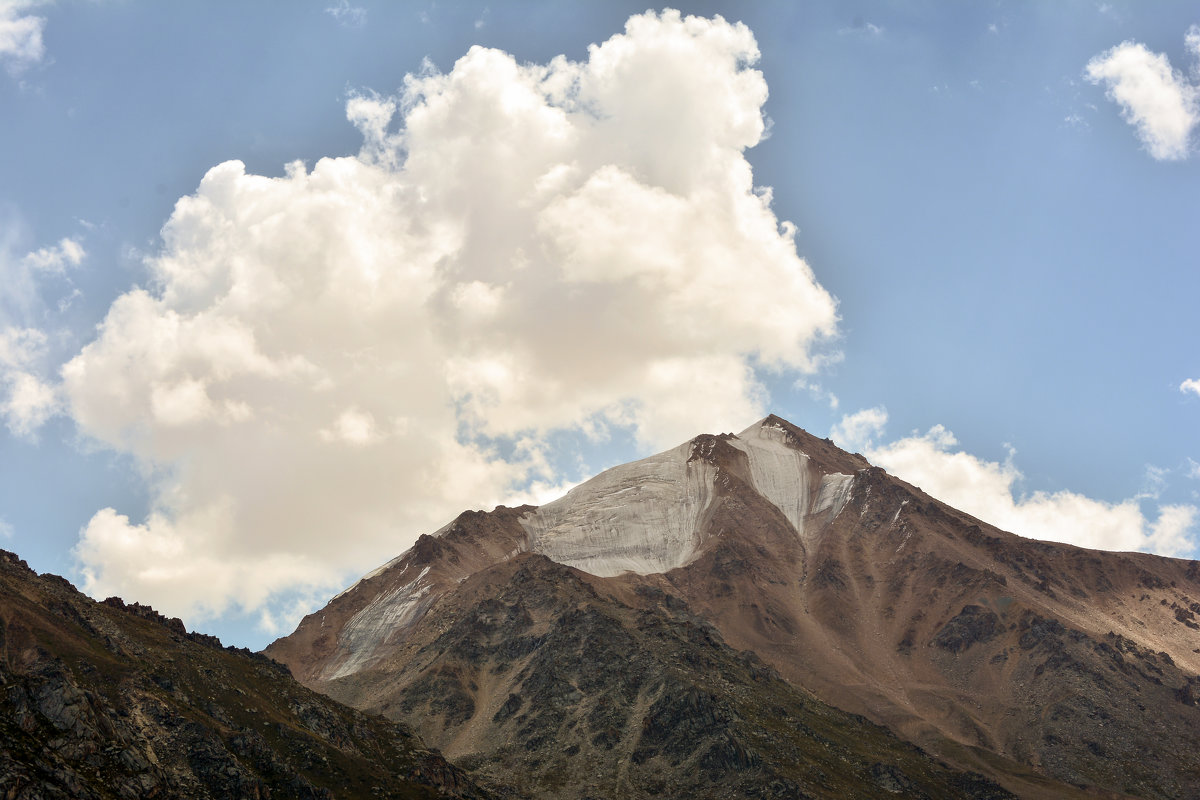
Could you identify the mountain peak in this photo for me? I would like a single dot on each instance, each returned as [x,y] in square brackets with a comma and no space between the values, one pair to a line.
[993,651]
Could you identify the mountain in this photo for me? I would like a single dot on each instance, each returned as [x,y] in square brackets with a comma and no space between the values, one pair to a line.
[767,615]
[109,700]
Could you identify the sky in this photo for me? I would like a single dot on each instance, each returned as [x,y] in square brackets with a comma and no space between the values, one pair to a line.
[285,285]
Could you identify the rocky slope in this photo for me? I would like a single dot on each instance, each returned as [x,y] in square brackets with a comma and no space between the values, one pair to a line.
[539,674]
[108,700]
[1049,668]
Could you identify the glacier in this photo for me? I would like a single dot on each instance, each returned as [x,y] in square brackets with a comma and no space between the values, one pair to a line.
[641,517]
[646,516]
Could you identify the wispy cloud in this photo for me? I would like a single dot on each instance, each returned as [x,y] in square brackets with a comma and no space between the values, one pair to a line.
[347,15]
[1160,102]
[27,400]
[863,28]
[28,394]
[21,44]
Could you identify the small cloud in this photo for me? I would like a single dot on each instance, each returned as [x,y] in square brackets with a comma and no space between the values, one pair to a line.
[859,430]
[348,16]
[6,530]
[1153,483]
[1190,385]
[66,302]
[863,29]
[21,43]
[1075,121]
[993,28]
[30,402]
[1159,101]
[56,258]
[817,392]
[482,20]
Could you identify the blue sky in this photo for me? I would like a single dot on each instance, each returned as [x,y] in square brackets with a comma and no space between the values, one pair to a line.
[517,271]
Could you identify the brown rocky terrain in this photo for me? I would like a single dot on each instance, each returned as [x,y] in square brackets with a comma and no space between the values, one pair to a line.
[814,582]
[108,700]
[541,675]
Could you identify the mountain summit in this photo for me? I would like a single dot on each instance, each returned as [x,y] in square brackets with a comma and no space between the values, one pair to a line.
[764,614]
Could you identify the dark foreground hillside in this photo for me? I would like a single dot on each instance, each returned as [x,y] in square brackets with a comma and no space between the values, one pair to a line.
[108,700]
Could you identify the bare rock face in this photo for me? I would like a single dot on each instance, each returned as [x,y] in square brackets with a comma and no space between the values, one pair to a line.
[1052,670]
[113,700]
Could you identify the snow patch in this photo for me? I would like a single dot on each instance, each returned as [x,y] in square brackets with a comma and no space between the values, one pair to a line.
[779,472]
[834,492]
[375,573]
[374,624]
[641,517]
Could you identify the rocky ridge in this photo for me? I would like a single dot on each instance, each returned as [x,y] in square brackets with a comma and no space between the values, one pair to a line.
[109,700]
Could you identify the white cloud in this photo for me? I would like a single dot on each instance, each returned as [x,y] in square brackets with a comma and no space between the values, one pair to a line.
[1160,102]
[26,278]
[28,396]
[347,15]
[26,400]
[1153,483]
[1190,385]
[989,490]
[6,530]
[56,258]
[29,403]
[21,43]
[331,362]
[857,431]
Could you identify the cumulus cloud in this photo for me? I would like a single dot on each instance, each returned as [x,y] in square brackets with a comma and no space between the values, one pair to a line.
[328,363]
[21,43]
[989,490]
[1190,385]
[1160,102]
